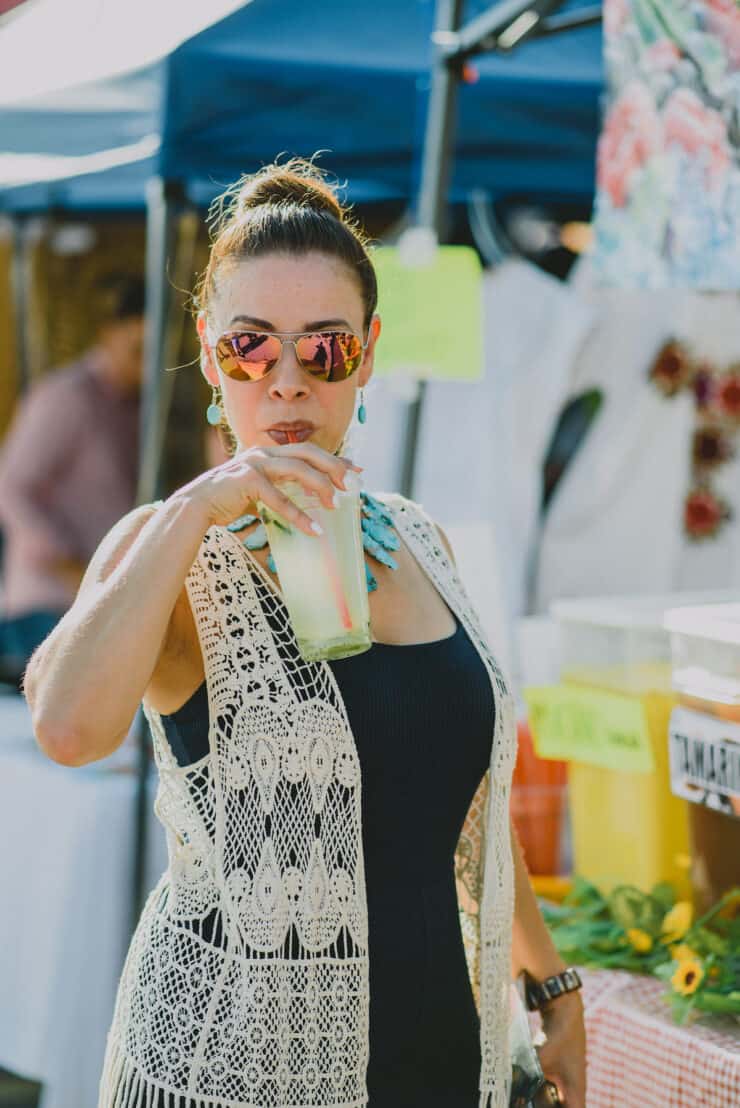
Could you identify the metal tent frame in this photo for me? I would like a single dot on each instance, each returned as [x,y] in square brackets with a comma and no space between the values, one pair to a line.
[501,27]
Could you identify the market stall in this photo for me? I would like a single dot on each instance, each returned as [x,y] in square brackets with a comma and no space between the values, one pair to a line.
[644,712]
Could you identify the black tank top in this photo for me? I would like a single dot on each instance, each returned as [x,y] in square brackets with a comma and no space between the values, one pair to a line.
[422,716]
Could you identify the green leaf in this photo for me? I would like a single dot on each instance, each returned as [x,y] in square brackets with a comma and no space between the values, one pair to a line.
[704,939]
[682,1007]
[633,908]
[731,896]
[710,1001]
[584,892]
[665,895]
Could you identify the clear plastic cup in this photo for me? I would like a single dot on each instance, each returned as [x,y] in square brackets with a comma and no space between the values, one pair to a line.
[322,579]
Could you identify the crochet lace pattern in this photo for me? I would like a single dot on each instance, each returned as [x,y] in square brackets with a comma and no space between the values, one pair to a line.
[246,981]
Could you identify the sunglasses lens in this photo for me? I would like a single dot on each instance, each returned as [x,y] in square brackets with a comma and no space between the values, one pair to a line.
[248,355]
[331,355]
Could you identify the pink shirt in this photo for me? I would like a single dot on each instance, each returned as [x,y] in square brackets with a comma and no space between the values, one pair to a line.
[67,473]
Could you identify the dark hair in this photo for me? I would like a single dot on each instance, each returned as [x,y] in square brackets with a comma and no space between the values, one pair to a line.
[286,209]
[120,296]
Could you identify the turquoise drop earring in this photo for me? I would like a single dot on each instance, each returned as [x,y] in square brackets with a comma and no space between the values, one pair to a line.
[214,415]
[362,410]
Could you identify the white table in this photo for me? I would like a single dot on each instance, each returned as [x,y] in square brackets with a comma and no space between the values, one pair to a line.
[66,857]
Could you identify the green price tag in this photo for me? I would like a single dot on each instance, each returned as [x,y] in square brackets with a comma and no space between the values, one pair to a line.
[587,725]
[432,315]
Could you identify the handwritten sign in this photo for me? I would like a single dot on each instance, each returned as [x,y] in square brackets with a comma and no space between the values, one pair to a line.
[432,315]
[587,725]
[705,760]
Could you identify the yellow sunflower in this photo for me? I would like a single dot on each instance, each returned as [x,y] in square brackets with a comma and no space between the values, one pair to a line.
[639,940]
[688,977]
[677,922]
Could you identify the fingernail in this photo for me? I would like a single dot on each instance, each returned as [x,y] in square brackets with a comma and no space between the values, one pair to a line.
[335,499]
[317,528]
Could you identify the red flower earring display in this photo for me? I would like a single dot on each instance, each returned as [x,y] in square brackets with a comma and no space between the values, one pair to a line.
[716,428]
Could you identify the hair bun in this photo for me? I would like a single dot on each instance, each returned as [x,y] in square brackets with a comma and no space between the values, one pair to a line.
[287,208]
[296,182]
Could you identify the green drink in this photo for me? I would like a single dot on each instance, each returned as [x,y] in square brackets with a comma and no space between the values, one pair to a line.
[322,579]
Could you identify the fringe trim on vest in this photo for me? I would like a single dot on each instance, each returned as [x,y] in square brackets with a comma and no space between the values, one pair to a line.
[123,1085]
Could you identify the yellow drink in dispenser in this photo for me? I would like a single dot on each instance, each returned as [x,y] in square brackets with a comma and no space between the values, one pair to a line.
[626,825]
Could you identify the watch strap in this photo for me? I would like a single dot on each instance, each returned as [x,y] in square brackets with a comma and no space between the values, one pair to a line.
[540,993]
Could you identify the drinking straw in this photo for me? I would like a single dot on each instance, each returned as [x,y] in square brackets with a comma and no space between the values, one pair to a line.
[336,582]
[334,577]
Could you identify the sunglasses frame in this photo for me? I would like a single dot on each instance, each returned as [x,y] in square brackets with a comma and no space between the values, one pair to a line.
[291,337]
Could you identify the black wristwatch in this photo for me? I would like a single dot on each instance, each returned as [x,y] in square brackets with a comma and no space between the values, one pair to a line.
[540,993]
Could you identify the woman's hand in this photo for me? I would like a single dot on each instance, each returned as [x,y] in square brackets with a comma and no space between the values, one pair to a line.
[563,1056]
[233,488]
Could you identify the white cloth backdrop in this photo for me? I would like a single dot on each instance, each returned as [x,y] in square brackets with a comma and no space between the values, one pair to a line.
[66,839]
[615,523]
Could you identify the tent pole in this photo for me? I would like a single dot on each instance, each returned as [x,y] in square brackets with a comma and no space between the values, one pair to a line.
[161,202]
[20,284]
[159,223]
[182,252]
[432,203]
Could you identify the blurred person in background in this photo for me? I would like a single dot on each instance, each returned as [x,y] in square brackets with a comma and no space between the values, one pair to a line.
[68,470]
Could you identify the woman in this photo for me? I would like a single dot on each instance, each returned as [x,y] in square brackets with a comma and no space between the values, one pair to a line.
[305,944]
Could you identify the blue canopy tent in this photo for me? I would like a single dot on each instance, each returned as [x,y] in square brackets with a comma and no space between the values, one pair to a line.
[281,75]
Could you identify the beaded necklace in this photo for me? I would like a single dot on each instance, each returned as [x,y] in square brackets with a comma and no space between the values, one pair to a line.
[379,536]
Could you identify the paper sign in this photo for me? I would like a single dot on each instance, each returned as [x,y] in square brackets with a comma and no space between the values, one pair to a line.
[705,760]
[431,315]
[587,725]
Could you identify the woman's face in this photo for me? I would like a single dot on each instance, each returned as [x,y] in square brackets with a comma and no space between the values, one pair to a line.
[281,292]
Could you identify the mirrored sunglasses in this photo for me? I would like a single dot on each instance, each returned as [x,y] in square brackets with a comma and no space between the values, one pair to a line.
[326,355]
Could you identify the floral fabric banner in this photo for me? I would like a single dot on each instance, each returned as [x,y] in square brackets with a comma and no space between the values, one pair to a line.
[668,176]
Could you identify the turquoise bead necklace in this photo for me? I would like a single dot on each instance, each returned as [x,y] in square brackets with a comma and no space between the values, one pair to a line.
[379,536]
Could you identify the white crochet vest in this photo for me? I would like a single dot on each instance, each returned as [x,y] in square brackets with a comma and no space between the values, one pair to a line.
[270,1008]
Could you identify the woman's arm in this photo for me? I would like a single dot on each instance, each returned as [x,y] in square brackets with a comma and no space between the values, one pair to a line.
[532,948]
[563,1056]
[86,680]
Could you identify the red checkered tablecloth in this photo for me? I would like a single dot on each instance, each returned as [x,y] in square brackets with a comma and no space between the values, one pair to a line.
[639,1058]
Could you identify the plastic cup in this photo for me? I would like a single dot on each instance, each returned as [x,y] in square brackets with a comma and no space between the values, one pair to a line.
[322,579]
